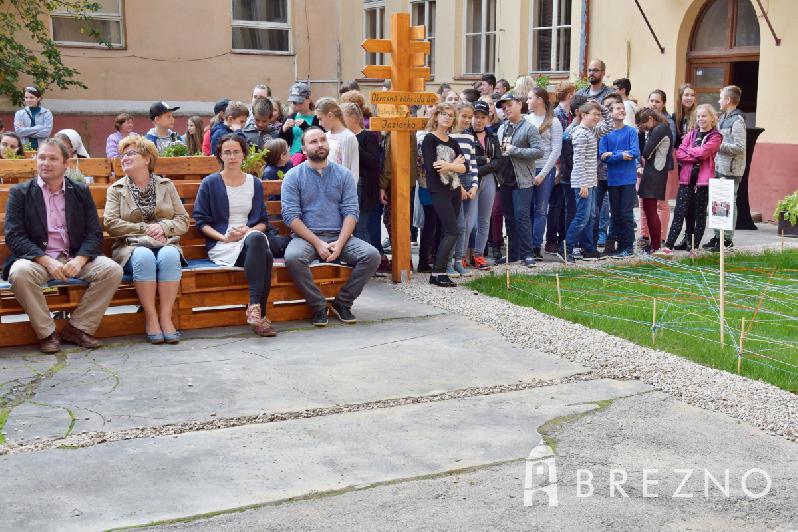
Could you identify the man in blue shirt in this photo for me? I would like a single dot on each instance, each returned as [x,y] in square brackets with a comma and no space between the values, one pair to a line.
[320,206]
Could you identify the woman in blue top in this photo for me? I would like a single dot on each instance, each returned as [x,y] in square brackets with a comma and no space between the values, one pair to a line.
[230,212]
[33,122]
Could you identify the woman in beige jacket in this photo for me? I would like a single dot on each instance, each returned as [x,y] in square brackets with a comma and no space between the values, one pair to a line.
[144,214]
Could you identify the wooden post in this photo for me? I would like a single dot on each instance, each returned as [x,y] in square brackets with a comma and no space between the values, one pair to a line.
[507,263]
[722,287]
[559,294]
[654,322]
[740,350]
[782,240]
[407,73]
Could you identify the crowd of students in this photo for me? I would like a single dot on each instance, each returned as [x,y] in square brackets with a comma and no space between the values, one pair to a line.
[569,174]
[561,179]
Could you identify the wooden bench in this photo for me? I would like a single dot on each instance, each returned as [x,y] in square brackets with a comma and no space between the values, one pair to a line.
[104,170]
[209,295]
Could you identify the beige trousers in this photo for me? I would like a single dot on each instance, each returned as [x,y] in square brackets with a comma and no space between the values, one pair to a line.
[28,277]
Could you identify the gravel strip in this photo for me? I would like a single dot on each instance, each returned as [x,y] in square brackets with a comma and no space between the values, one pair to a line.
[763,405]
[90,439]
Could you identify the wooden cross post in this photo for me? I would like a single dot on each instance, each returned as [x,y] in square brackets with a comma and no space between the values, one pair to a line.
[407,75]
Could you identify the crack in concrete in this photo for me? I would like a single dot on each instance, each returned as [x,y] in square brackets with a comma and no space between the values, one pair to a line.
[192,362]
[25,391]
[316,495]
[402,340]
[72,418]
[96,437]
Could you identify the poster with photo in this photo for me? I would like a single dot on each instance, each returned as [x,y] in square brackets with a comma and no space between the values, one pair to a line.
[721,204]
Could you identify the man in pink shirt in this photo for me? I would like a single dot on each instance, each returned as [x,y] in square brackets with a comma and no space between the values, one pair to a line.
[53,233]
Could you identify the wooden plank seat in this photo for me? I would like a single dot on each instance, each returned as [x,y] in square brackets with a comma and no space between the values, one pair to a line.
[18,170]
[209,295]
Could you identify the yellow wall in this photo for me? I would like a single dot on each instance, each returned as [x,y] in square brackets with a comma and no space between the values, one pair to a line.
[673,21]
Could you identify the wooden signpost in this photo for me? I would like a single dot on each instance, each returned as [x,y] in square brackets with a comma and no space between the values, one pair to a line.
[407,73]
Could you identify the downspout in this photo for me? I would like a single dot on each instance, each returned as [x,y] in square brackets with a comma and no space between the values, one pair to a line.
[583,46]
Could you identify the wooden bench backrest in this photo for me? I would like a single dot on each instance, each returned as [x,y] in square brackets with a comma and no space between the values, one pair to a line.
[18,170]
[193,242]
[102,170]
[180,168]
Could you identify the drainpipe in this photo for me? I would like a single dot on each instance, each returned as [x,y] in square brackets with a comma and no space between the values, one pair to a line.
[583,45]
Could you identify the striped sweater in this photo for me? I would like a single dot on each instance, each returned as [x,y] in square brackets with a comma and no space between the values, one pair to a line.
[470,179]
[585,143]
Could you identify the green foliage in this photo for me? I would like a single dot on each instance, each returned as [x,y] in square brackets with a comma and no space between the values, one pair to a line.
[543,81]
[789,206]
[10,153]
[581,83]
[254,161]
[176,149]
[27,21]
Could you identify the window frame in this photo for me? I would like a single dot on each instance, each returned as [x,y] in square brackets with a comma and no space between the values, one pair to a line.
[257,24]
[427,4]
[554,31]
[483,33]
[63,13]
[379,7]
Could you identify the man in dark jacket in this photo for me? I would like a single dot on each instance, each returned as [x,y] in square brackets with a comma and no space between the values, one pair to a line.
[53,232]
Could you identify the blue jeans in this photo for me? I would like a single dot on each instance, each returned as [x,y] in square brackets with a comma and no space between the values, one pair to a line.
[522,204]
[623,200]
[605,226]
[466,220]
[540,206]
[581,228]
[162,264]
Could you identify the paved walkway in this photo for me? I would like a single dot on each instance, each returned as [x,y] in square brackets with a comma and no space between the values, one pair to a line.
[411,419]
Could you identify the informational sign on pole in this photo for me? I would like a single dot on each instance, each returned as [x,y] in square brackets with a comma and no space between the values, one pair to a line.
[721,204]
[721,216]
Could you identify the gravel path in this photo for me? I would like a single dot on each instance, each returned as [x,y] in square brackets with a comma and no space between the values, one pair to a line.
[763,405]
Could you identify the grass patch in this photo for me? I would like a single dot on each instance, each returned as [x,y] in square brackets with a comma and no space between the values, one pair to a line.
[619,300]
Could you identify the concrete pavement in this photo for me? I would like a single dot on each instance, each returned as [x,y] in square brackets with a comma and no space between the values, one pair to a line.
[412,419]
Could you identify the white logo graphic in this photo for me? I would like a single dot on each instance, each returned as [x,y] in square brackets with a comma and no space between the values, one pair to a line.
[541,475]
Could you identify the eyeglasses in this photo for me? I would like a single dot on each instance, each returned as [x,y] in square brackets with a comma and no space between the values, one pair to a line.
[130,153]
[594,70]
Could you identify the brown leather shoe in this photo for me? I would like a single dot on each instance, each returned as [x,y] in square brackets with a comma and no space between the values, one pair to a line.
[264,328]
[73,335]
[51,344]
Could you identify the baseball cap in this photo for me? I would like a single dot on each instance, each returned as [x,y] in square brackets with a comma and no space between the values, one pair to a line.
[299,92]
[481,107]
[221,105]
[506,97]
[159,108]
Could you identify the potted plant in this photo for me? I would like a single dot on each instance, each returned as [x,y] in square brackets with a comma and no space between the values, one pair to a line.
[787,214]
[176,149]
[254,161]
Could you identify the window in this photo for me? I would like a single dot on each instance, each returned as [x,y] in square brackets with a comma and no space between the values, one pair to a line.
[480,37]
[551,36]
[107,22]
[261,26]
[374,28]
[423,14]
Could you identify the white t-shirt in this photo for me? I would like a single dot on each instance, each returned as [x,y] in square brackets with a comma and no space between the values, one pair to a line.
[631,110]
[240,200]
[344,151]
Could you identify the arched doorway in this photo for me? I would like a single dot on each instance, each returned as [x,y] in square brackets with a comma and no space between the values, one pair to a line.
[724,50]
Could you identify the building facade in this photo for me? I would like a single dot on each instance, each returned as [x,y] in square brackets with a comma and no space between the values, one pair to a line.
[709,43]
[190,53]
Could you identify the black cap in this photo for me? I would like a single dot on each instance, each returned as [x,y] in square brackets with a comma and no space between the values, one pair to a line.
[159,108]
[481,106]
[506,97]
[221,105]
